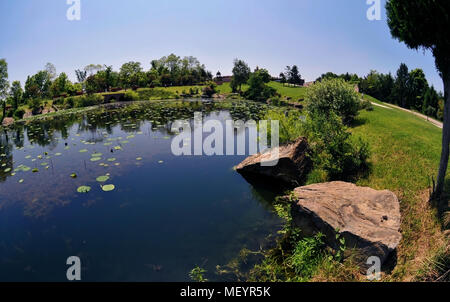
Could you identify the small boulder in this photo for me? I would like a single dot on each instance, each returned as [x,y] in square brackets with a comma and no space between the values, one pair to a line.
[292,168]
[7,121]
[368,219]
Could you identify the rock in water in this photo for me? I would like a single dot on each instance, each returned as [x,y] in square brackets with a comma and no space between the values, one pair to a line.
[293,166]
[368,219]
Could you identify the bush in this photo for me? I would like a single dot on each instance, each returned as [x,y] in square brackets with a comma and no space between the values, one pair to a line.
[333,95]
[131,96]
[18,114]
[366,105]
[258,90]
[290,124]
[69,102]
[35,105]
[88,100]
[334,149]
[58,101]
[10,113]
[210,89]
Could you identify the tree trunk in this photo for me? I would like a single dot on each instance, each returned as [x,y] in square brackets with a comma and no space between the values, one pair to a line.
[445,138]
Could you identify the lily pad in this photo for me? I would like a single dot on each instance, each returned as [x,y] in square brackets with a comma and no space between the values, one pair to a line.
[73,175]
[7,170]
[103,178]
[108,188]
[83,189]
[35,170]
[111,159]
[94,159]
[83,151]
[139,158]
[21,181]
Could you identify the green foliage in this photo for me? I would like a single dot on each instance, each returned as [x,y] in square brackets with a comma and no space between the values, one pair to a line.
[333,96]
[16,94]
[38,86]
[292,76]
[34,104]
[131,96]
[410,22]
[88,100]
[290,124]
[210,89]
[18,114]
[4,84]
[378,85]
[156,94]
[306,256]
[197,274]
[334,149]
[69,102]
[241,74]
[258,90]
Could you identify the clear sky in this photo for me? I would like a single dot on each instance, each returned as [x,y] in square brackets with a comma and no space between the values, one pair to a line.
[316,35]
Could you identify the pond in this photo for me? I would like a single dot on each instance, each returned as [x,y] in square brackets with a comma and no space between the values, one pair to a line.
[149,215]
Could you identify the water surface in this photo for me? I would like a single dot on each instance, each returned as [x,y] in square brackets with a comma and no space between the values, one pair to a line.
[166,215]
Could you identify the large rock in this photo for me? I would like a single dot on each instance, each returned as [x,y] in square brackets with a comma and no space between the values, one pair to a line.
[293,165]
[368,219]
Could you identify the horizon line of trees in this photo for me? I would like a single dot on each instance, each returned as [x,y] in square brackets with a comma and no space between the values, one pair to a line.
[169,70]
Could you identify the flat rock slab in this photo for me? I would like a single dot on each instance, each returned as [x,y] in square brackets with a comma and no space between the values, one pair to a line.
[292,168]
[368,219]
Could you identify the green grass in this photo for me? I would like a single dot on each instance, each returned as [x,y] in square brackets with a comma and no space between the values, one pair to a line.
[295,93]
[405,157]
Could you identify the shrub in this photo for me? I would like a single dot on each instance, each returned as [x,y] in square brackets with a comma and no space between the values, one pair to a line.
[155,94]
[276,101]
[258,90]
[18,114]
[366,105]
[58,101]
[131,96]
[34,104]
[210,89]
[88,100]
[334,149]
[290,124]
[333,95]
[69,102]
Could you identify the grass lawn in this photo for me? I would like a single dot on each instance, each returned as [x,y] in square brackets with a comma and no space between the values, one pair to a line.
[295,93]
[405,156]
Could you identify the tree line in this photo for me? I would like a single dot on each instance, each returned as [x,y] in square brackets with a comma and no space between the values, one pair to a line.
[408,89]
[169,70]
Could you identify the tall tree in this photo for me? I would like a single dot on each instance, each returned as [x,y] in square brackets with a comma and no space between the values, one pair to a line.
[129,74]
[16,94]
[424,24]
[418,85]
[400,91]
[4,84]
[51,70]
[241,74]
[293,75]
[81,75]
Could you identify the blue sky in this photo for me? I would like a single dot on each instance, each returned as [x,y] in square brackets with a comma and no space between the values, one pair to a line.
[316,35]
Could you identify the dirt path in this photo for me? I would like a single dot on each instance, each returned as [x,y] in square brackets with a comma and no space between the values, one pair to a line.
[422,116]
